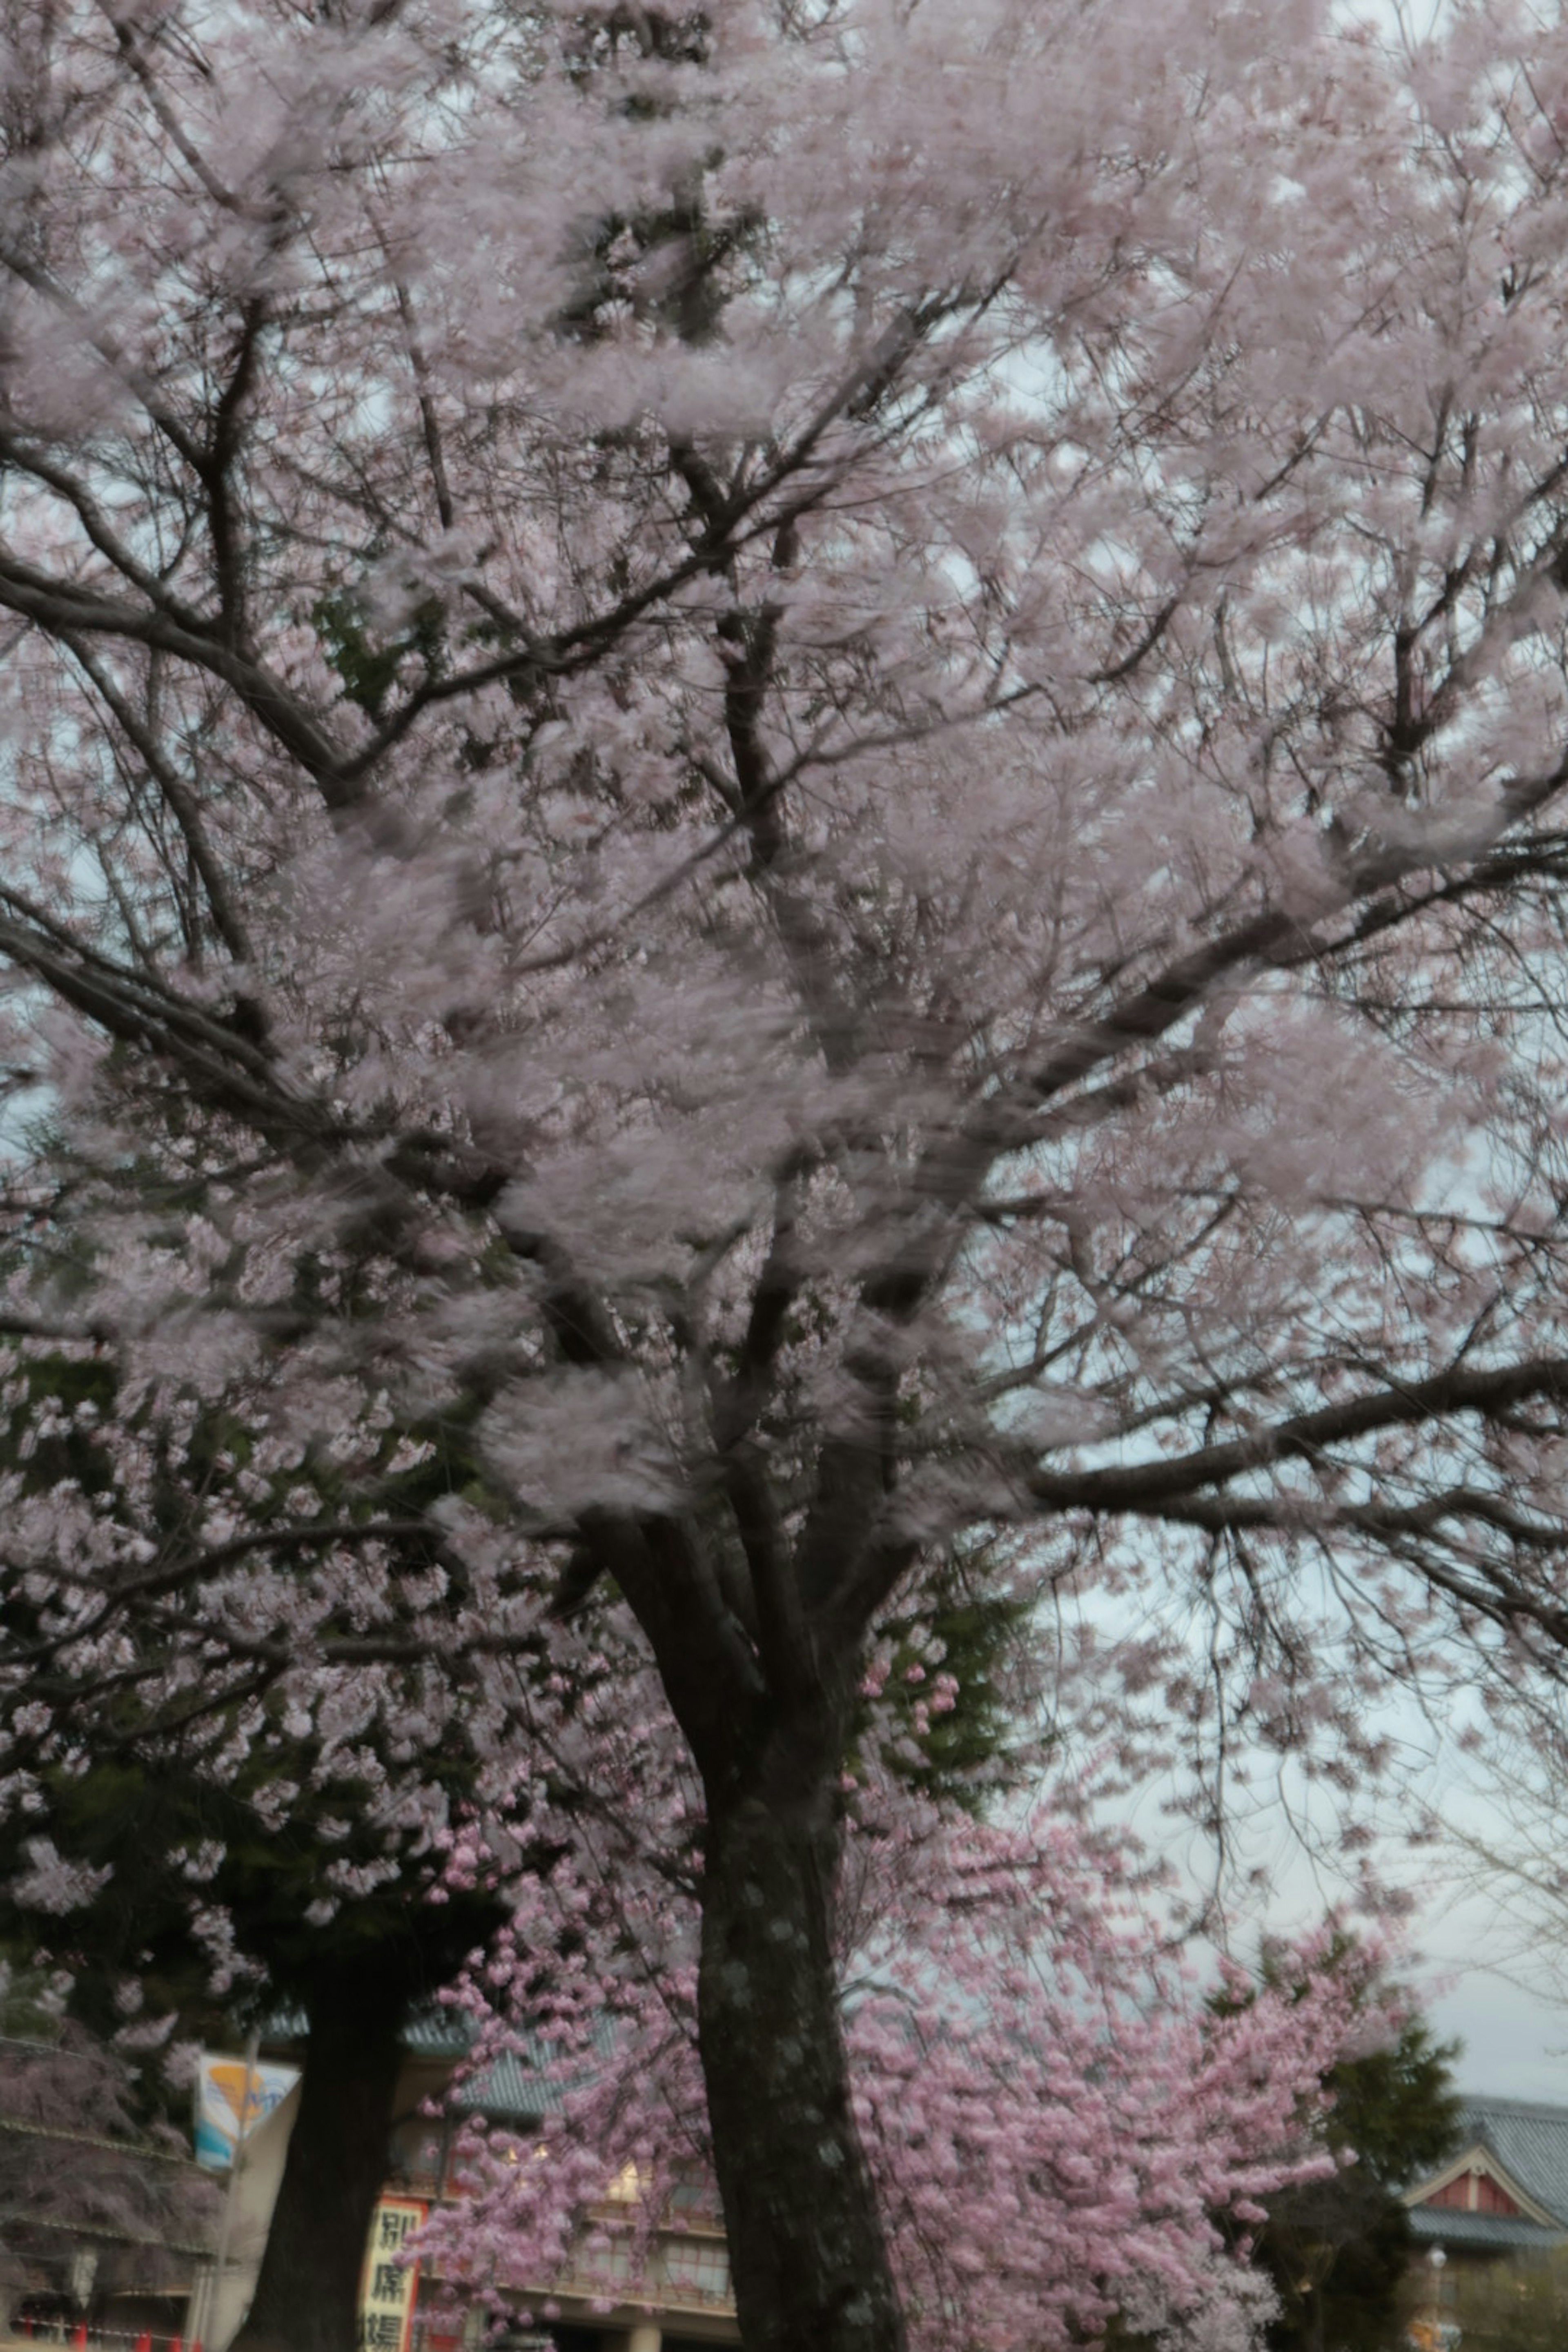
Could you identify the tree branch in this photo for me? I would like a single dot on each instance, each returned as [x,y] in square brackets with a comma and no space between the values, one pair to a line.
[1460,1387]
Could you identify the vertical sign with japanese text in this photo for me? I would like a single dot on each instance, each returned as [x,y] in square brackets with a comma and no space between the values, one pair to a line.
[389,2285]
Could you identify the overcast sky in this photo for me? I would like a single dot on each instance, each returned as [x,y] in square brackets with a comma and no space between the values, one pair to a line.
[1516,2039]
[1515,2046]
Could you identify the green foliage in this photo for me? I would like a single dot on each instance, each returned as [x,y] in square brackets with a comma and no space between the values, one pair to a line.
[969,1626]
[1398,2107]
[129,1817]
[367,667]
[81,1389]
[131,1791]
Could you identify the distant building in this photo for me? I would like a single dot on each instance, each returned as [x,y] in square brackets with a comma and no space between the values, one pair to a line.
[692,2301]
[1506,2192]
[686,2306]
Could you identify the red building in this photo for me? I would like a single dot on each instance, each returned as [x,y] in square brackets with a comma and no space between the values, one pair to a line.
[1507,2190]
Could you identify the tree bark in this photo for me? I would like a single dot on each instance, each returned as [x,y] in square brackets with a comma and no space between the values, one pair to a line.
[307,2296]
[807,2251]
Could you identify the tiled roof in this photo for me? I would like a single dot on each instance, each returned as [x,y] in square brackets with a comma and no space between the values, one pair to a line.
[1530,2140]
[517,2087]
[511,2091]
[437,2033]
[1442,2225]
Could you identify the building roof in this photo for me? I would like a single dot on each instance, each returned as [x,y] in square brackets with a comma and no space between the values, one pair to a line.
[1525,2143]
[436,2032]
[511,2089]
[1530,2140]
[516,2087]
[1442,2225]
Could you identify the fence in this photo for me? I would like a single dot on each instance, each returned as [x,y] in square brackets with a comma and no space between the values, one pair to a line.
[78,2335]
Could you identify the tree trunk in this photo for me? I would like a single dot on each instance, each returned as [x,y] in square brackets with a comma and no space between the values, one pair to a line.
[807,2248]
[307,2296]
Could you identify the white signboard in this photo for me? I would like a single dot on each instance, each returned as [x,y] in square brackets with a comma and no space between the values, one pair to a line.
[232,2100]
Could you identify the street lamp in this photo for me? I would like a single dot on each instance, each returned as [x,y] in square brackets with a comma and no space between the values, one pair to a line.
[1436,2260]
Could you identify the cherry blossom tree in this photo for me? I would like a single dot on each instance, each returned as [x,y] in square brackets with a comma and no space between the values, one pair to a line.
[1062,2129]
[198,1871]
[802,766]
[84,2168]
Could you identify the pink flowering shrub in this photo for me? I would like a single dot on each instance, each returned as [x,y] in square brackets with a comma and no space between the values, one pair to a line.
[1057,2119]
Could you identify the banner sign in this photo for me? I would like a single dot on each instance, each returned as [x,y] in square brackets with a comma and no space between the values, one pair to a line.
[221,2093]
[388,2287]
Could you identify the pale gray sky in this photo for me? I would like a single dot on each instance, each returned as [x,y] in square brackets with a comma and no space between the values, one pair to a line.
[1516,2038]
